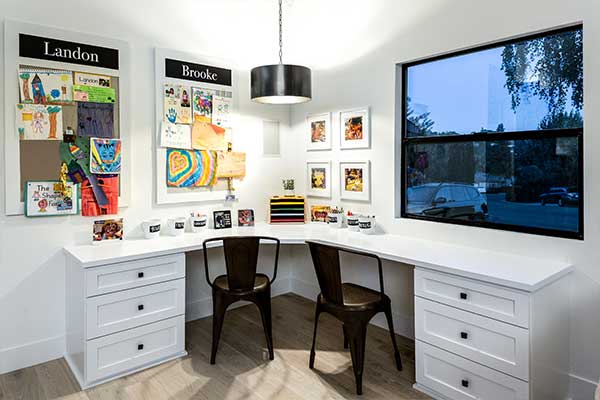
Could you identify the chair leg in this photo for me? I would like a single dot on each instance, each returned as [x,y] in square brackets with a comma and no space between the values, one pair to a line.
[263,301]
[358,339]
[311,363]
[220,305]
[388,316]
[345,337]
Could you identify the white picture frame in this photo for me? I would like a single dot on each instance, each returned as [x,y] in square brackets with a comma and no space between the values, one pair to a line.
[323,167]
[316,122]
[358,192]
[165,195]
[364,142]
[14,204]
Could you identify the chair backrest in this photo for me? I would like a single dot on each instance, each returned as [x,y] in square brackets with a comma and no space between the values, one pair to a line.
[241,259]
[326,260]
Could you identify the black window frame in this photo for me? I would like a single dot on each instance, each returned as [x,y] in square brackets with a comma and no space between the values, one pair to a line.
[405,141]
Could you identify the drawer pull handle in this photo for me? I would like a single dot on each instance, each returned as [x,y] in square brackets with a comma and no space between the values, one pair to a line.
[464,335]
[463,296]
[141,347]
[140,307]
[140,274]
[465,383]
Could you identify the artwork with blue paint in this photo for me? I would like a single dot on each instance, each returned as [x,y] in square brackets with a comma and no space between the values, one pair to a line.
[105,156]
[95,120]
[176,104]
[42,86]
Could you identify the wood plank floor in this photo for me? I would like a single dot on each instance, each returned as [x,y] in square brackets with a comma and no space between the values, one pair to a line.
[242,371]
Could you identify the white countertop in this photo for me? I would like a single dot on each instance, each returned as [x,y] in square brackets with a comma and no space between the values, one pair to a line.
[518,272]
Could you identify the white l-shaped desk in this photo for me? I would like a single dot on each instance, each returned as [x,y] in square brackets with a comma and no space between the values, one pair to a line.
[486,323]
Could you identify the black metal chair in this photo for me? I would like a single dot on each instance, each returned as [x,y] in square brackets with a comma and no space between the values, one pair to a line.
[352,304]
[241,282]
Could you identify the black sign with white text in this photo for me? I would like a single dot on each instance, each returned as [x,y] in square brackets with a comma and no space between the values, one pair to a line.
[197,72]
[60,50]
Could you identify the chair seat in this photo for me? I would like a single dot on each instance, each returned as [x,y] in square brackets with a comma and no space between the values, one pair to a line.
[356,296]
[261,281]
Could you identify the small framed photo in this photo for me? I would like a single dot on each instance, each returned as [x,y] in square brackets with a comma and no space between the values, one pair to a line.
[222,219]
[319,213]
[246,217]
[355,129]
[355,180]
[107,230]
[318,132]
[318,174]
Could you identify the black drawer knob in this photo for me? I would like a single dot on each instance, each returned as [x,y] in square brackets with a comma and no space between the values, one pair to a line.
[465,383]
[140,274]
[463,296]
[140,307]
[464,335]
[141,347]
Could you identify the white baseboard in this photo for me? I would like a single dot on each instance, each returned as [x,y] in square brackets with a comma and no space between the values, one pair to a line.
[404,325]
[582,388]
[33,353]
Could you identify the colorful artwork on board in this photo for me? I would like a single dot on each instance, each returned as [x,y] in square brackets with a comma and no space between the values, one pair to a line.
[202,99]
[105,156]
[39,122]
[176,104]
[231,164]
[319,213]
[177,136]
[106,230]
[94,94]
[45,86]
[85,79]
[222,111]
[109,185]
[191,168]
[50,198]
[95,120]
[206,136]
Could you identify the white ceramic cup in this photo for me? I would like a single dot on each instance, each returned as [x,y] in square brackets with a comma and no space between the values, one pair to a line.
[198,223]
[151,228]
[176,226]
[352,222]
[366,224]
[335,220]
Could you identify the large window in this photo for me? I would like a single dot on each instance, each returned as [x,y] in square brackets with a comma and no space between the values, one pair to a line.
[493,136]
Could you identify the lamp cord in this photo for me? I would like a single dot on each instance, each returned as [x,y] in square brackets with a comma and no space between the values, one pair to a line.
[280,34]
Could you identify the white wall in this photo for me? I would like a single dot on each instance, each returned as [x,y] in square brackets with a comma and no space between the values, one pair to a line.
[443,26]
[32,292]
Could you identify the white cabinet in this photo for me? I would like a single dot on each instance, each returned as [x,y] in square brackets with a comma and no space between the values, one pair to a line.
[124,317]
[478,340]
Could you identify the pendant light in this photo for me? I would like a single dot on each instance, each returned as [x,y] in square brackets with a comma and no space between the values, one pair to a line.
[280,83]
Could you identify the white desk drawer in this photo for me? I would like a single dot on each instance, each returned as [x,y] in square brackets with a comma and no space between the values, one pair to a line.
[124,351]
[131,274]
[460,379]
[478,297]
[492,343]
[127,309]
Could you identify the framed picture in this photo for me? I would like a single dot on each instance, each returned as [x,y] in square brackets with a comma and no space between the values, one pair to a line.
[319,213]
[355,129]
[318,175]
[222,219]
[246,217]
[355,180]
[318,132]
[49,198]
[106,230]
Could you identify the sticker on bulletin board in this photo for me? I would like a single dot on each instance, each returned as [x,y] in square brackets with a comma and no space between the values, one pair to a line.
[50,198]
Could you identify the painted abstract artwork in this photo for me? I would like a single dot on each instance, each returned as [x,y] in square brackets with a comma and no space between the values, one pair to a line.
[105,156]
[203,107]
[95,120]
[206,136]
[39,122]
[191,168]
